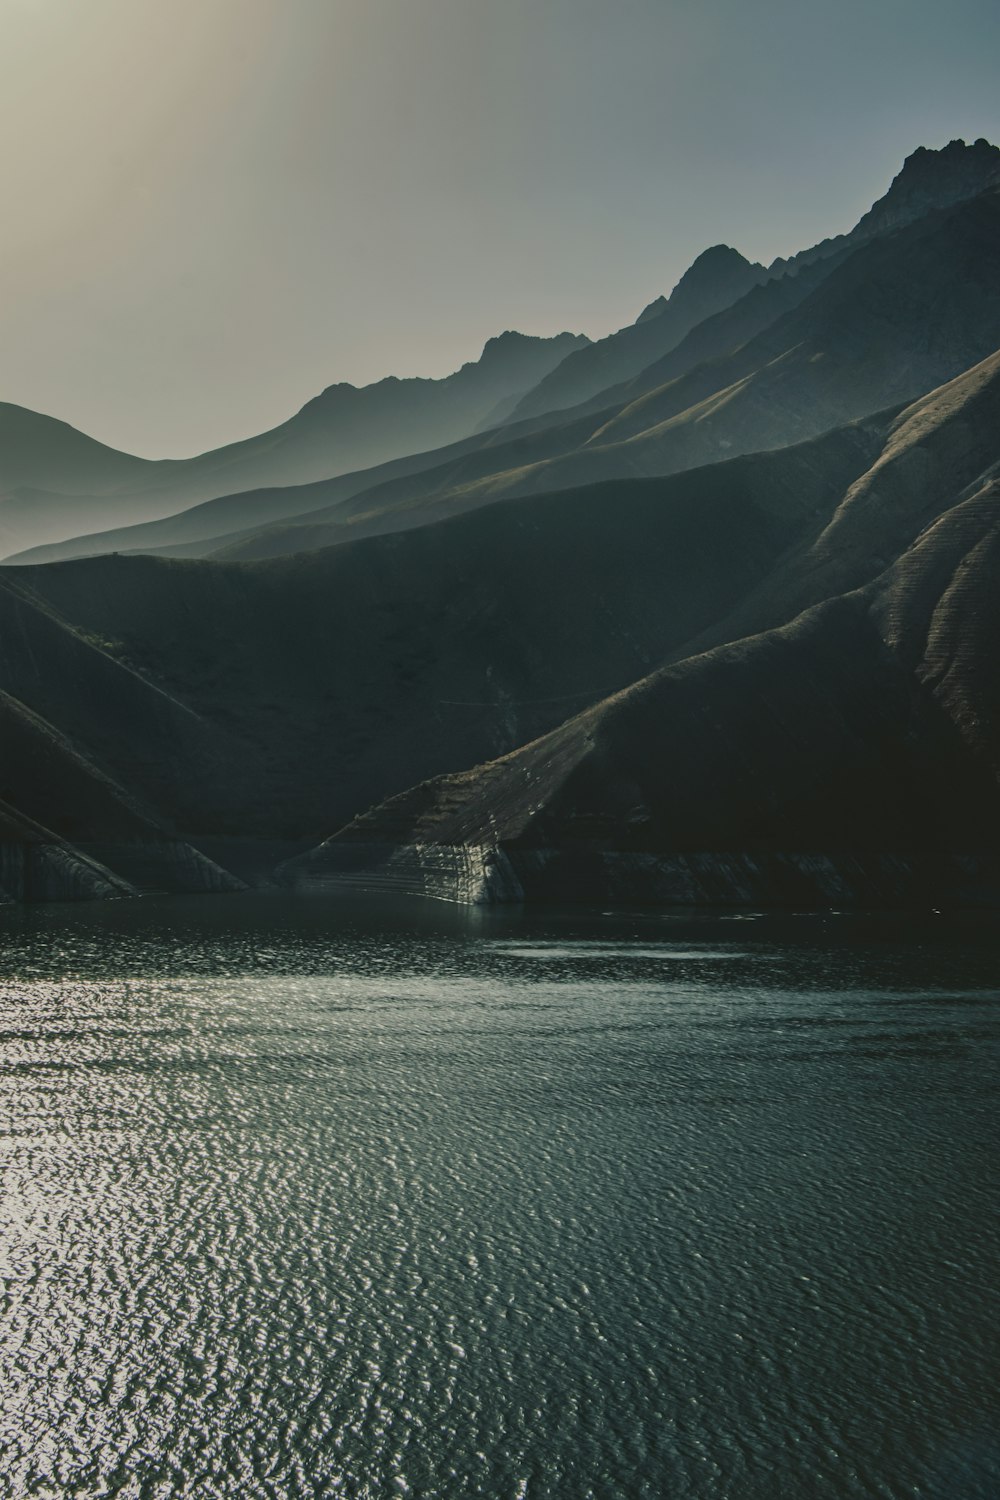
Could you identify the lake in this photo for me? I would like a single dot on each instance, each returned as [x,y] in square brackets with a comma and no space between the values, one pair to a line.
[305,1197]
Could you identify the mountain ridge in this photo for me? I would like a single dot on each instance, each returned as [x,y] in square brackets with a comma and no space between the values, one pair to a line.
[342,429]
[725,632]
[927,180]
[899,316]
[850,751]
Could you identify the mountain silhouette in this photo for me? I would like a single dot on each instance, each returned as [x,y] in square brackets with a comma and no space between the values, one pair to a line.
[894,319]
[928,180]
[719,277]
[724,631]
[52,477]
[314,514]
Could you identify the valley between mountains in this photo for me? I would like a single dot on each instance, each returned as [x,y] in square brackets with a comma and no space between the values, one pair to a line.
[705,612]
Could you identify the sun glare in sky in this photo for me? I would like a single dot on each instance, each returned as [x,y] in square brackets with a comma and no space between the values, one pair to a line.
[213,211]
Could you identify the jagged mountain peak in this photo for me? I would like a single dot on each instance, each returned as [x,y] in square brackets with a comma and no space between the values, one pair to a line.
[502,343]
[505,350]
[511,338]
[944,161]
[512,345]
[718,266]
[710,261]
[930,179]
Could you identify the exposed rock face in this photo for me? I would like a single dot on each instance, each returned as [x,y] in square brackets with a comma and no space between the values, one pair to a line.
[786,655]
[797,647]
[894,320]
[163,866]
[32,871]
[715,280]
[493,875]
[37,866]
[928,181]
[471,874]
[931,180]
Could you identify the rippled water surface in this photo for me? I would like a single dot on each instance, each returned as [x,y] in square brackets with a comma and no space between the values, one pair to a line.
[303,1200]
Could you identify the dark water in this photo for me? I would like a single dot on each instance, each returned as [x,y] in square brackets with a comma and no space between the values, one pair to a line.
[301,1201]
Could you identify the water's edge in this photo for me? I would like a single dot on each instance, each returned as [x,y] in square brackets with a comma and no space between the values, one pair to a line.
[494,874]
[499,875]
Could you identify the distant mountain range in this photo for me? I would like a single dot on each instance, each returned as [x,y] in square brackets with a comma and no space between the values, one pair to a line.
[723,630]
[841,335]
[54,482]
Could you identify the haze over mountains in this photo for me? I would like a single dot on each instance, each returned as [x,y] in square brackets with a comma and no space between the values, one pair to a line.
[51,476]
[704,611]
[834,337]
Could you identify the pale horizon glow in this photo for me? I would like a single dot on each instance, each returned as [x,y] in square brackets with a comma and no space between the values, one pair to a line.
[213,211]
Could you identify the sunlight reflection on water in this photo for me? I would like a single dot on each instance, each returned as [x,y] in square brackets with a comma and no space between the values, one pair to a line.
[305,1201]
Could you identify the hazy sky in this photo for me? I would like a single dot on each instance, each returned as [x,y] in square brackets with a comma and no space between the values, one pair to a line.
[214,208]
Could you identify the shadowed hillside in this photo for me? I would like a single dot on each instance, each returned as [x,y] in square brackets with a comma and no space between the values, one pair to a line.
[266,700]
[728,633]
[849,751]
[158,701]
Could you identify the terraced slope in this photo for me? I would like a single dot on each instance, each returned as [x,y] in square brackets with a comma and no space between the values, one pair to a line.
[848,749]
[259,701]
